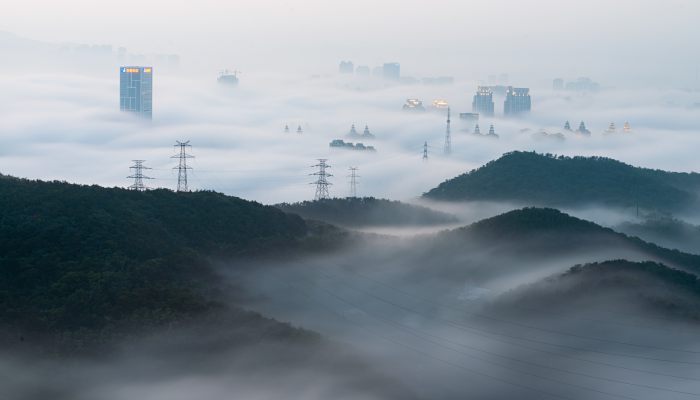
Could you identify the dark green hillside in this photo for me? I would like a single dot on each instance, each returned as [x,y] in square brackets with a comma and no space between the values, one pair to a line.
[546,180]
[85,258]
[544,232]
[646,286]
[367,211]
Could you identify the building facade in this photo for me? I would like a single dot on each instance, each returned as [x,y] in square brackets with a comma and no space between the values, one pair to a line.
[517,101]
[391,71]
[483,101]
[136,90]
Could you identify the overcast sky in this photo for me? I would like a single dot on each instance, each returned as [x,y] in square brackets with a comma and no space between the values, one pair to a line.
[624,42]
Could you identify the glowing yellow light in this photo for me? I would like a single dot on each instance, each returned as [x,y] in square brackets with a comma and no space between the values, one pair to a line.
[147,70]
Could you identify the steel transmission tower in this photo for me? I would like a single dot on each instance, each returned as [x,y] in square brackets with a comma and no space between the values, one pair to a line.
[448,138]
[138,175]
[322,181]
[425,151]
[182,166]
[353,181]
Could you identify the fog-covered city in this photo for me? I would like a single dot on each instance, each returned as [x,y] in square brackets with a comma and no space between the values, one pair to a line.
[366,200]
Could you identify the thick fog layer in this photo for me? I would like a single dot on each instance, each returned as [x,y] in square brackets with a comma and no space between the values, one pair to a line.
[68,127]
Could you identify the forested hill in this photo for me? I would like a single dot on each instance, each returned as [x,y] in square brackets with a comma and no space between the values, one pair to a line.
[546,180]
[85,258]
[367,211]
[544,233]
[646,286]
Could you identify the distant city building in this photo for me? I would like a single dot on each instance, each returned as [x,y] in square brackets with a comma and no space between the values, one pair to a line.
[558,84]
[362,70]
[582,129]
[391,71]
[627,128]
[611,128]
[366,133]
[341,144]
[492,131]
[583,84]
[346,67]
[469,117]
[353,132]
[477,131]
[413,105]
[517,101]
[299,130]
[483,101]
[440,103]
[136,90]
[229,78]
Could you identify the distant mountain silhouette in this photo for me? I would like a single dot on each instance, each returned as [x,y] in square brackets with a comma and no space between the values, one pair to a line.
[546,180]
[530,238]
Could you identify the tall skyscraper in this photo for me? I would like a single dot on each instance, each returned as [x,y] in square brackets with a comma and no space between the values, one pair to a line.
[483,101]
[517,101]
[558,84]
[391,71]
[136,90]
[346,67]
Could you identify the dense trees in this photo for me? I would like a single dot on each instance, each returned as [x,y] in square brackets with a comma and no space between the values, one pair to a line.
[538,179]
[85,258]
[364,211]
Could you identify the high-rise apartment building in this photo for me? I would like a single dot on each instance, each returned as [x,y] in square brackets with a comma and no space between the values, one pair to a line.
[517,101]
[136,90]
[483,101]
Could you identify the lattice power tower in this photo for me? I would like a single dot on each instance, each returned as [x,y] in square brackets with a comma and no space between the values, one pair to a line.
[322,180]
[182,166]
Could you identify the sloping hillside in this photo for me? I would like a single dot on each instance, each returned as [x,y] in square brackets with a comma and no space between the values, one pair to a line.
[546,180]
[367,211]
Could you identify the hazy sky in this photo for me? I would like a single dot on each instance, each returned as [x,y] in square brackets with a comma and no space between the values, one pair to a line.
[628,40]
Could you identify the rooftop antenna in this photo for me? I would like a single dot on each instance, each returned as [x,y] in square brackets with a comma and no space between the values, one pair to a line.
[322,180]
[448,139]
[353,181]
[182,166]
[138,175]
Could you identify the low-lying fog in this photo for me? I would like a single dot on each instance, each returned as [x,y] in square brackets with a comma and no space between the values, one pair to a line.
[442,338]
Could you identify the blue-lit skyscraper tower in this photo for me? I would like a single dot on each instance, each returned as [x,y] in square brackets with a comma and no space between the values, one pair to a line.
[136,90]
[517,101]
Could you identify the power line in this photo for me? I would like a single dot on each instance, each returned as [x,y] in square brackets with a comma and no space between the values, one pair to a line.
[522,325]
[353,181]
[422,335]
[489,333]
[138,176]
[448,138]
[322,180]
[182,166]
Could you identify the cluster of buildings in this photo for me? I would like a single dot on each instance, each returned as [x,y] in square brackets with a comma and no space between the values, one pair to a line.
[390,72]
[582,84]
[517,101]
